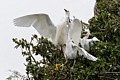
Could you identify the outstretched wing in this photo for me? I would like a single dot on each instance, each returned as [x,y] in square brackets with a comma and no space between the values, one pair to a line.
[41,22]
[84,53]
[75,31]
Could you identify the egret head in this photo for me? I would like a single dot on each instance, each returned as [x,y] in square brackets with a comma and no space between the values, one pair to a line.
[86,32]
[67,13]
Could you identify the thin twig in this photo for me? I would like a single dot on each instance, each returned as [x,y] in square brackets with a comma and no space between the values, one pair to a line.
[31,54]
[110,75]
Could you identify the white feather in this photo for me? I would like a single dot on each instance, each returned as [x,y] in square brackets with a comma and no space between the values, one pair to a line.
[41,22]
[75,31]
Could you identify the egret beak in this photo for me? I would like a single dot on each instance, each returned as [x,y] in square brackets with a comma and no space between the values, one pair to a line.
[85,33]
[66,10]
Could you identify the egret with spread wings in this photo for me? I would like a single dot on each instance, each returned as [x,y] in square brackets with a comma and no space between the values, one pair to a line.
[72,48]
[43,24]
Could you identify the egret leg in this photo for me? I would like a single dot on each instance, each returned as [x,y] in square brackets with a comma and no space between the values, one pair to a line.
[66,61]
[56,55]
[73,64]
[61,48]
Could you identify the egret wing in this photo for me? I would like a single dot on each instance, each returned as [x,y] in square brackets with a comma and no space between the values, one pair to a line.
[41,22]
[75,31]
[84,53]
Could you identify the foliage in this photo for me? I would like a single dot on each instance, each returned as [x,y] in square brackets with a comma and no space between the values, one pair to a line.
[105,25]
[16,76]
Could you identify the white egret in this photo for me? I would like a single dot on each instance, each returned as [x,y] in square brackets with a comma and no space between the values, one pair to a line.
[43,24]
[85,42]
[72,48]
[71,51]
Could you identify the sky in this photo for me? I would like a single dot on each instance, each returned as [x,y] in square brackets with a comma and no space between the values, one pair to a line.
[11,58]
